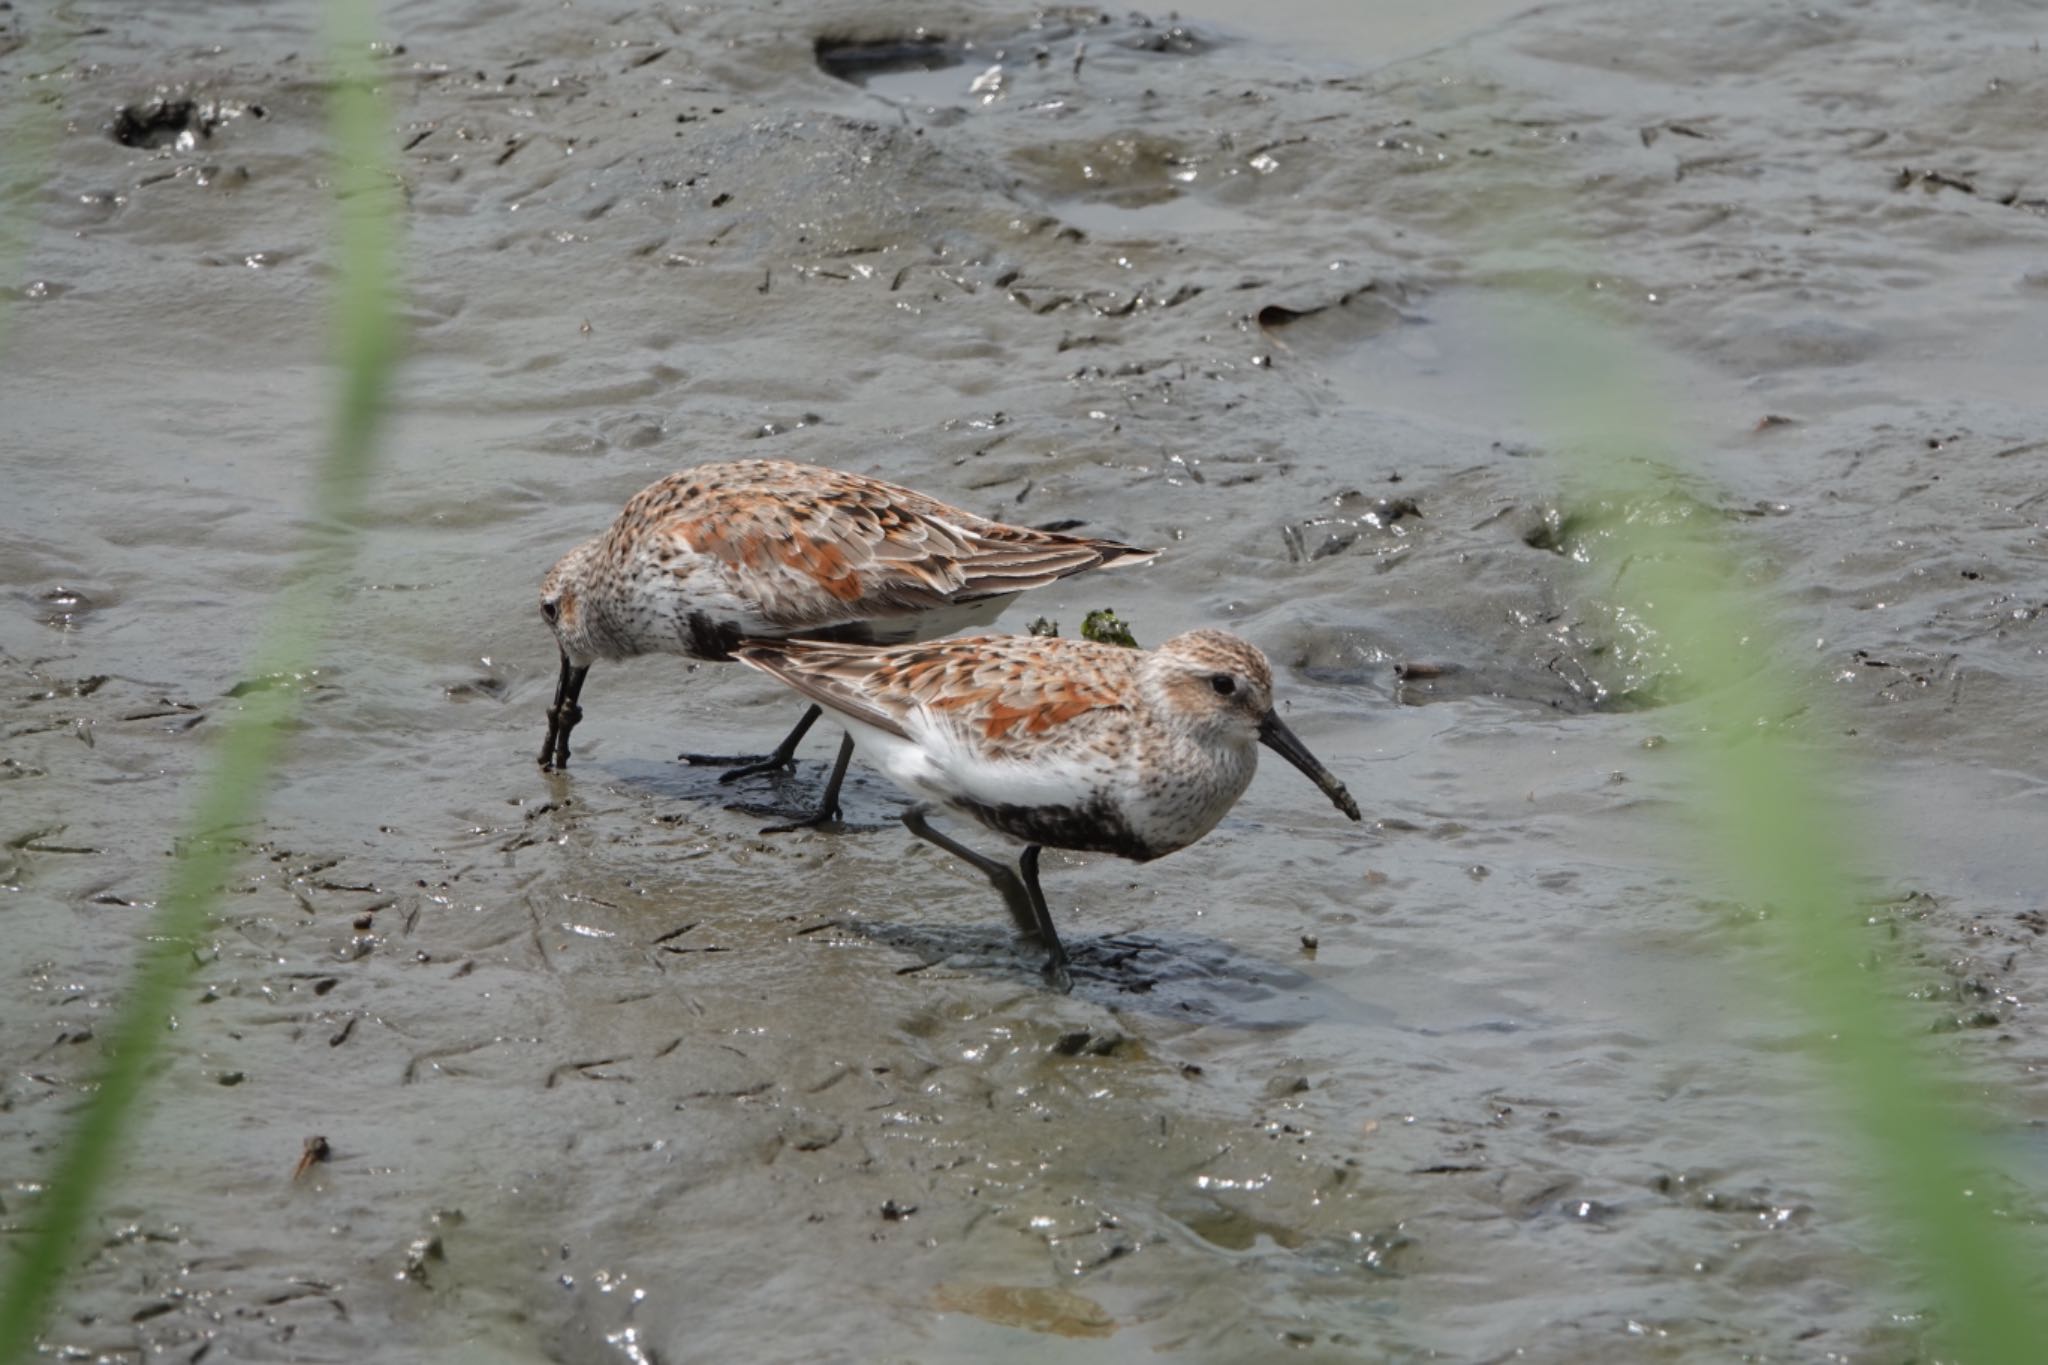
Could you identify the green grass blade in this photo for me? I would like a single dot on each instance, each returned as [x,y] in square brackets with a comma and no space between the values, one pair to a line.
[365,348]
[1771,820]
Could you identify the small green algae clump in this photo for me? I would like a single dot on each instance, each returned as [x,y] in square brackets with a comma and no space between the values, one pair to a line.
[1105,627]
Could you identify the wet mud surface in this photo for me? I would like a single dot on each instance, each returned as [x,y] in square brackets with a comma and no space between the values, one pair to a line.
[604,1074]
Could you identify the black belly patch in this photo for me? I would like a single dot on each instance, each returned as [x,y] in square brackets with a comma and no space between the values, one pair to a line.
[846,632]
[1097,827]
[709,639]
[705,638]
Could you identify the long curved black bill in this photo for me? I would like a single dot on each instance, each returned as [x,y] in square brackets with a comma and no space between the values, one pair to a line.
[1275,735]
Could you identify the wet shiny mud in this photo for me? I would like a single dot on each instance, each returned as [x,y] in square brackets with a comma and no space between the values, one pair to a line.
[605,1074]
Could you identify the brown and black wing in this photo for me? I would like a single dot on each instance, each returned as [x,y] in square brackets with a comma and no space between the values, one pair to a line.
[821,546]
[999,694]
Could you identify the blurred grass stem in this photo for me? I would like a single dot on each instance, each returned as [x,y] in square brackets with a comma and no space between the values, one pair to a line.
[364,349]
[1773,823]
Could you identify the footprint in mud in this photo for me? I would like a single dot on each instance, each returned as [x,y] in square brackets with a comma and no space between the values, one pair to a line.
[176,121]
[859,62]
[65,608]
[1382,524]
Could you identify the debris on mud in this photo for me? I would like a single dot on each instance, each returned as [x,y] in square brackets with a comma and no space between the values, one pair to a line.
[315,1151]
[178,122]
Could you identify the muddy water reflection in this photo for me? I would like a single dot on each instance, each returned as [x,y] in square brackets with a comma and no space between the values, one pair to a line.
[606,1072]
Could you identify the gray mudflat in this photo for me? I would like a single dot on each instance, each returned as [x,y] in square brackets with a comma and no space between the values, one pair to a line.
[607,1076]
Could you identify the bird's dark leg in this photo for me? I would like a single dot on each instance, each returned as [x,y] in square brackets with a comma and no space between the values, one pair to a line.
[563,715]
[1056,952]
[999,875]
[755,764]
[828,806]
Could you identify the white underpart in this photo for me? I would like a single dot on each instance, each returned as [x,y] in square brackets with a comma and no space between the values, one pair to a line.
[939,765]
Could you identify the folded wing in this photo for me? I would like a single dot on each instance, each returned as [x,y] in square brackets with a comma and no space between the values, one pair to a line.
[997,697]
[849,548]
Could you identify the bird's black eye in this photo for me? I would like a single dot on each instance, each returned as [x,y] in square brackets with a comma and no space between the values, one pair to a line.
[1224,684]
[547,610]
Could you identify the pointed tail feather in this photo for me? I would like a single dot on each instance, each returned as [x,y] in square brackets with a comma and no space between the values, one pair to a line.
[804,667]
[1116,555]
[1017,565]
